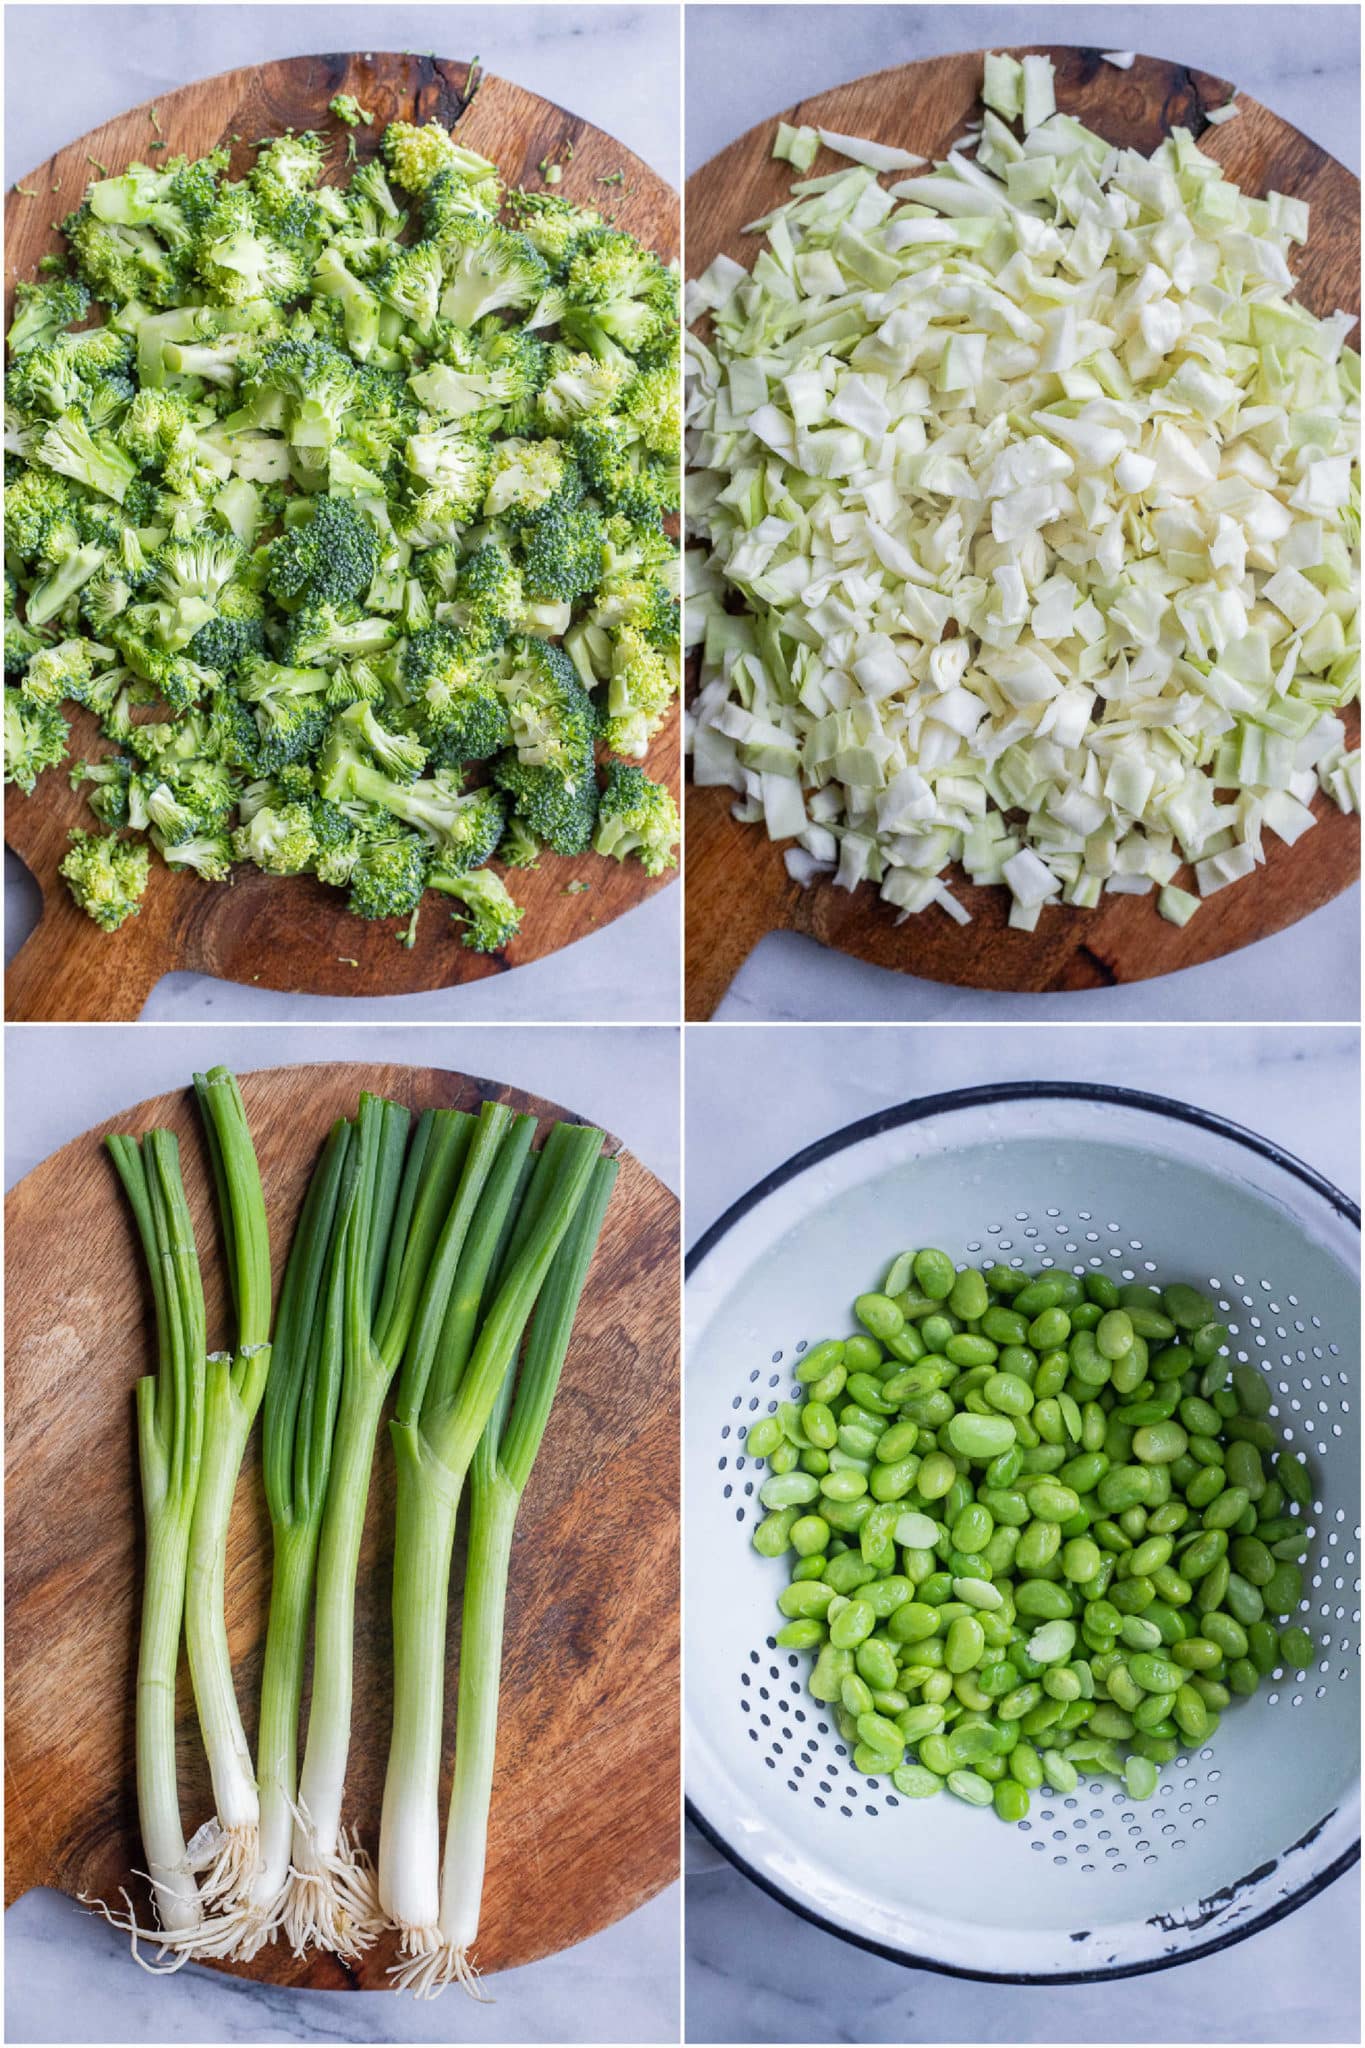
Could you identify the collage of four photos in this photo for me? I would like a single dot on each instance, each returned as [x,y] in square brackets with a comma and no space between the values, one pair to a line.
[682,1054]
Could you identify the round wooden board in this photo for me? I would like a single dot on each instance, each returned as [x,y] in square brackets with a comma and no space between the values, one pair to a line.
[584,1822]
[296,934]
[738,888]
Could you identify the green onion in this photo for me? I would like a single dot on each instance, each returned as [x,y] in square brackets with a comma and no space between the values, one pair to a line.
[446,1395]
[233,1390]
[170,1431]
[301,1400]
[399,1215]
[502,1465]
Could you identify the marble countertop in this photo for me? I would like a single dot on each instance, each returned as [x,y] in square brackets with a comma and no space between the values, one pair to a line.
[618,67]
[1302,61]
[67,1975]
[754,1971]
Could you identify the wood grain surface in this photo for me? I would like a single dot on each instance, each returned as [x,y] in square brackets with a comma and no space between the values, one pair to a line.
[738,888]
[295,934]
[584,1820]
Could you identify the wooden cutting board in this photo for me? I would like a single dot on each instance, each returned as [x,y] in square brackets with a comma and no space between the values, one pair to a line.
[585,1813]
[738,888]
[294,934]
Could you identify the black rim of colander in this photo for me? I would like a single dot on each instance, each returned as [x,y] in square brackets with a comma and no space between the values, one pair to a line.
[918,1111]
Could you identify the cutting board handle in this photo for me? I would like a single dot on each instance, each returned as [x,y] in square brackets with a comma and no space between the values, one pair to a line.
[59,976]
[738,873]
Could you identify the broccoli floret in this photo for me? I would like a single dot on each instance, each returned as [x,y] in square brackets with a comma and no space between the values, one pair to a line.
[617,295]
[70,566]
[98,462]
[475,833]
[524,476]
[487,269]
[559,813]
[323,635]
[617,468]
[279,841]
[326,558]
[490,917]
[398,754]
[410,282]
[418,156]
[553,719]
[235,634]
[640,690]
[63,670]
[486,601]
[317,383]
[520,848]
[360,308]
[155,424]
[549,223]
[42,310]
[106,876]
[122,264]
[454,690]
[208,857]
[291,712]
[35,504]
[651,404]
[36,737]
[579,386]
[637,816]
[561,551]
[110,782]
[239,259]
[389,875]
[347,108]
[466,184]
[22,641]
[449,819]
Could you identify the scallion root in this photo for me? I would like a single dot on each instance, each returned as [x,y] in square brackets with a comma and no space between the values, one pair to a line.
[428,1963]
[127,1923]
[333,1903]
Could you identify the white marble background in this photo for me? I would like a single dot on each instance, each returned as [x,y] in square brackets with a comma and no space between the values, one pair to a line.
[1304,61]
[616,66]
[754,1971]
[68,1977]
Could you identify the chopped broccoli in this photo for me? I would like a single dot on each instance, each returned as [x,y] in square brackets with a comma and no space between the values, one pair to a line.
[348,489]
[327,557]
[637,816]
[36,737]
[106,876]
[347,108]
[491,919]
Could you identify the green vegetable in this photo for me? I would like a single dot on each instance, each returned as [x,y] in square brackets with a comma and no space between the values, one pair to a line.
[301,1399]
[991,1562]
[170,1428]
[499,1472]
[354,485]
[233,1387]
[464,1346]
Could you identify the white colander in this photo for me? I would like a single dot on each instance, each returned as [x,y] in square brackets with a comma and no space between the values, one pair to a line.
[1241,1830]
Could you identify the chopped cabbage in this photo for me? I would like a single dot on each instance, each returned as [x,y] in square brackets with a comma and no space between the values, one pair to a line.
[1039,495]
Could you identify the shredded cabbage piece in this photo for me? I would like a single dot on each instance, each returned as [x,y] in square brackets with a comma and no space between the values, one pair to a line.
[1025,520]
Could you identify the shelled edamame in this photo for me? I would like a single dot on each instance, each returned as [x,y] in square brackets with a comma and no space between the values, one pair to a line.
[1042,1529]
